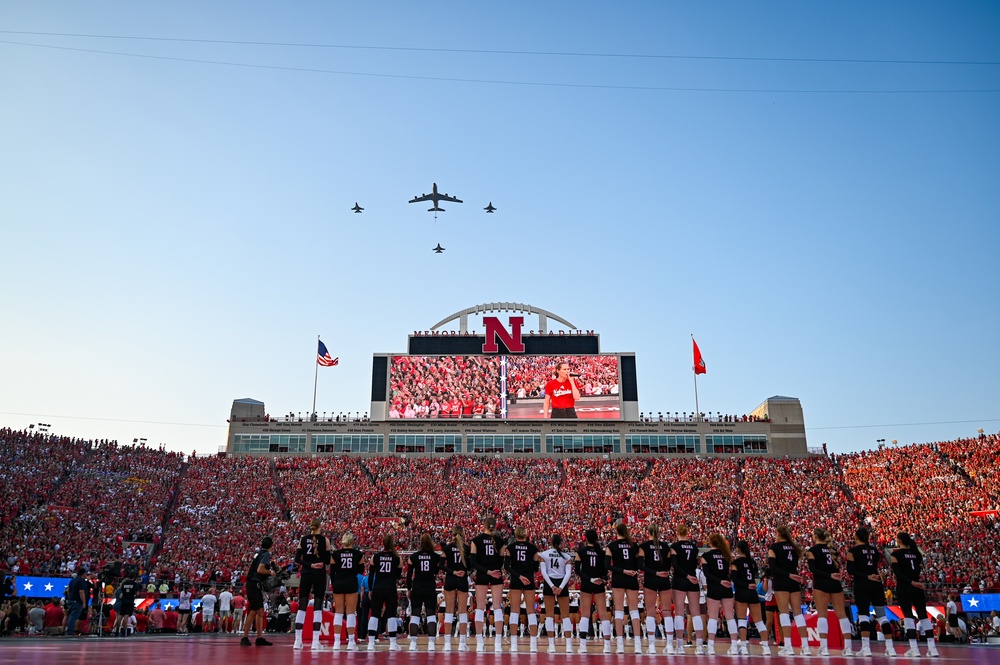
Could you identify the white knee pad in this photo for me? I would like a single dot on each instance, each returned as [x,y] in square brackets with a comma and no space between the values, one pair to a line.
[414,621]
[845,627]
[741,623]
[633,614]
[463,618]
[606,629]
[822,625]
[550,624]
[697,623]
[515,618]
[800,621]
[619,615]
[733,628]
[863,621]
[480,616]
[713,628]
[372,624]
[650,625]
[584,625]
[300,616]
[567,627]
[449,618]
[338,619]
[352,621]
[785,620]
[909,624]
[761,627]
[925,625]
[532,619]
[497,616]
[679,623]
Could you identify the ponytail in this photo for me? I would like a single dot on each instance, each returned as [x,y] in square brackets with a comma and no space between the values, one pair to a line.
[556,542]
[458,537]
[786,534]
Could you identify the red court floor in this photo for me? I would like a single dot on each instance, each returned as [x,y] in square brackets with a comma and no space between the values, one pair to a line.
[225,650]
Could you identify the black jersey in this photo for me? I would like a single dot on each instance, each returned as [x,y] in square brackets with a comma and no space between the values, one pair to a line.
[624,554]
[312,550]
[907,566]
[744,572]
[128,590]
[786,559]
[384,571]
[453,556]
[347,564]
[684,558]
[488,552]
[716,567]
[823,562]
[592,563]
[866,561]
[422,569]
[520,561]
[655,556]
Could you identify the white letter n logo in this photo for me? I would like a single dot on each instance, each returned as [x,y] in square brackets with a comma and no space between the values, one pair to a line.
[495,330]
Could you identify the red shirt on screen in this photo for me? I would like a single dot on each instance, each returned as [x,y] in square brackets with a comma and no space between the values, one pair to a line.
[560,394]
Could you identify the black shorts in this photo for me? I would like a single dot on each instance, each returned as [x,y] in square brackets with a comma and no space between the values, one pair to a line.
[909,599]
[953,621]
[684,584]
[184,612]
[255,596]
[517,585]
[423,598]
[747,596]
[127,608]
[312,584]
[868,594]
[622,581]
[586,586]
[345,585]
[827,585]
[719,592]
[487,580]
[456,583]
[385,603]
[656,583]
[564,413]
[786,584]
[547,590]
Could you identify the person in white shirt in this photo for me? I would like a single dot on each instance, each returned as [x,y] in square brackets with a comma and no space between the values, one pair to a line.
[208,603]
[225,611]
[557,568]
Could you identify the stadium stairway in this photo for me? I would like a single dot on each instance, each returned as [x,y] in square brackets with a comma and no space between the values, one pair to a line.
[279,494]
[168,512]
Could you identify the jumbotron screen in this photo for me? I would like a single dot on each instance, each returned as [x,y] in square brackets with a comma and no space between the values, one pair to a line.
[505,387]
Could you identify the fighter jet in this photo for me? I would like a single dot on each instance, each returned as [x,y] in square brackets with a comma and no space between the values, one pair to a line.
[490,207]
[438,249]
[434,196]
[356,207]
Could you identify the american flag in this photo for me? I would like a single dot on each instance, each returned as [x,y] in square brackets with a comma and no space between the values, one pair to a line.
[323,357]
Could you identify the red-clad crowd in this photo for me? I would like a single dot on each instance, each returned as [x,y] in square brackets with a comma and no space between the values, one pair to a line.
[980,459]
[225,506]
[918,490]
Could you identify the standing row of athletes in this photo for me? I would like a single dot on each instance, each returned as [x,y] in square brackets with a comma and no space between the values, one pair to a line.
[668,581]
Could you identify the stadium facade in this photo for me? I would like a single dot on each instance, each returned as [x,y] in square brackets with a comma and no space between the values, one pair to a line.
[462,391]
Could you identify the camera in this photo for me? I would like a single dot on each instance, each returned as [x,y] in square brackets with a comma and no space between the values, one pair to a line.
[273,582]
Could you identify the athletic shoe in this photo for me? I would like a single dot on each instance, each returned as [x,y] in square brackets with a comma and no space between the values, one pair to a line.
[395,647]
[413,645]
[638,647]
[583,646]
[652,649]
[912,652]
[430,645]
[620,648]
[261,642]
[463,646]
[765,650]
[786,650]
[734,649]
[447,645]
[890,652]
[569,645]
[497,646]
[352,646]
[932,652]
[804,651]
[823,651]
[336,645]
[297,644]
[669,650]
[244,641]
[700,650]
[847,653]
[865,651]
[607,646]
[744,649]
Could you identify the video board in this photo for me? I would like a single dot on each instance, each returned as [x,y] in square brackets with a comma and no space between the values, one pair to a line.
[497,387]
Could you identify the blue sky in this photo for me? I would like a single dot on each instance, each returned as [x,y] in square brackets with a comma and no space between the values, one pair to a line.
[177,232]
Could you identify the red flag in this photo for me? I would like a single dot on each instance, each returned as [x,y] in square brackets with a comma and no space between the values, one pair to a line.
[699,362]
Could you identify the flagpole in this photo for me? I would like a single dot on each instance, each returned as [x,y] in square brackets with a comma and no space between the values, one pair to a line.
[315,380]
[694,370]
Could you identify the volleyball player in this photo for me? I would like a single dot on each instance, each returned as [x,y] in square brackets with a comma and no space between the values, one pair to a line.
[783,561]
[869,591]
[346,564]
[744,576]
[421,581]
[383,577]
[824,565]
[715,563]
[624,554]
[487,560]
[456,587]
[684,558]
[521,561]
[313,555]
[557,567]
[592,568]
[907,562]
[656,587]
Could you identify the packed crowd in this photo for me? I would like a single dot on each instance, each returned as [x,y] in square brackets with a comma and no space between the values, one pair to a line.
[527,375]
[444,386]
[92,498]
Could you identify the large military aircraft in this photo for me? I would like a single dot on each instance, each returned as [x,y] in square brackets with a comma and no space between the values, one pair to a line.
[435,197]
[438,249]
[356,207]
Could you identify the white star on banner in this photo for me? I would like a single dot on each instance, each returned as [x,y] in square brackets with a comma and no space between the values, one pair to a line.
[27,586]
[48,587]
[973,602]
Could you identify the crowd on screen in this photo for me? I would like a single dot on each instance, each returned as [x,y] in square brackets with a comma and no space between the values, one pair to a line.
[594,375]
[82,504]
[444,387]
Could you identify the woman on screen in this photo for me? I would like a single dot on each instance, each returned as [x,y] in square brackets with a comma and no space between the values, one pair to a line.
[561,394]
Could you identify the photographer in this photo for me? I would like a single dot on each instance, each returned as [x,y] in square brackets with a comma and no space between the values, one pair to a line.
[260,569]
[76,598]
